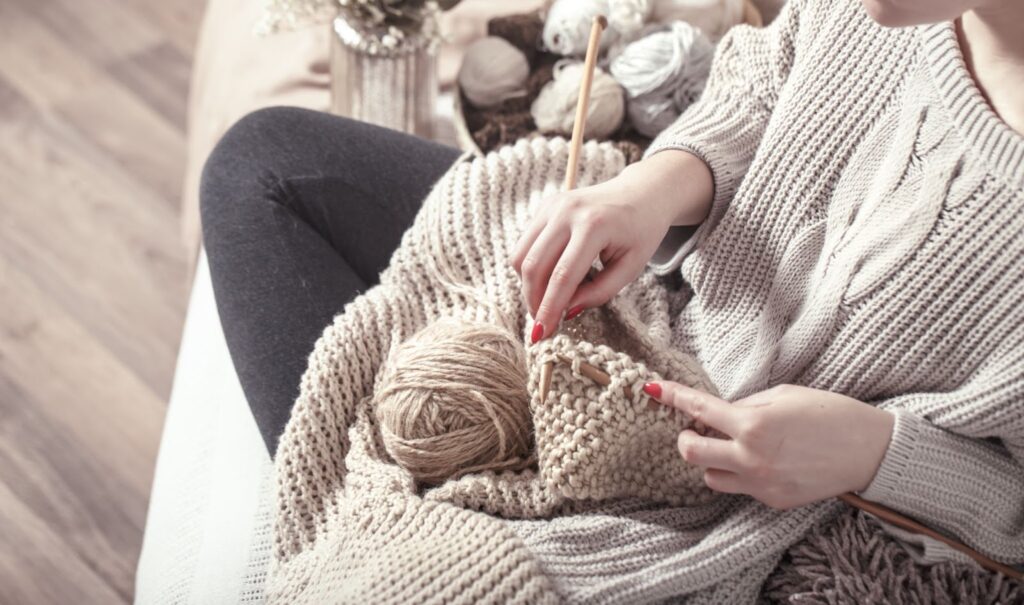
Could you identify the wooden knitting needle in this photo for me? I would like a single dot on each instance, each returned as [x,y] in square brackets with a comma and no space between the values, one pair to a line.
[887,514]
[578,127]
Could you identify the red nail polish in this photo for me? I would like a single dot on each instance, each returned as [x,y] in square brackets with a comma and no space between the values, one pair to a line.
[573,312]
[538,332]
[653,389]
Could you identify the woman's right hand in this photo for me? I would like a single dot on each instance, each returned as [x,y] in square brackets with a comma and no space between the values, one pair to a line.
[622,221]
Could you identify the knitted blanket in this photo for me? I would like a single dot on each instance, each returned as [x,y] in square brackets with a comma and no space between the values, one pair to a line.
[352,526]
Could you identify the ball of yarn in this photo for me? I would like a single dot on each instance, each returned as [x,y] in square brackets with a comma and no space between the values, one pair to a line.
[713,17]
[568,22]
[554,109]
[452,399]
[662,74]
[492,71]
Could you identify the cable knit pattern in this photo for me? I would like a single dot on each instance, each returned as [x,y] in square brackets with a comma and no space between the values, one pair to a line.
[865,238]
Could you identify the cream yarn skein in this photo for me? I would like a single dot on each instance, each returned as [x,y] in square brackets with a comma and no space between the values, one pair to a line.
[554,109]
[452,399]
[567,23]
[713,17]
[493,71]
[663,74]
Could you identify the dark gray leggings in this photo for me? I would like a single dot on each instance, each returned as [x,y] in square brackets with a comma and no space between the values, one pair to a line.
[301,211]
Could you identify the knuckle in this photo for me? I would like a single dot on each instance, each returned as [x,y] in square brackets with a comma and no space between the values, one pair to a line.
[559,276]
[572,202]
[594,221]
[529,264]
[753,429]
[698,404]
[688,449]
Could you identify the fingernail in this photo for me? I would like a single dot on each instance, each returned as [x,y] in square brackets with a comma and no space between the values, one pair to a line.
[573,312]
[538,332]
[653,389]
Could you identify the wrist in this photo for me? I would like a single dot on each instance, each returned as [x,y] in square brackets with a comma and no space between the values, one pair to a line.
[879,430]
[680,181]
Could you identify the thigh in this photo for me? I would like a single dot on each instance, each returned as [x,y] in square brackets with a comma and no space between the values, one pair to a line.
[301,211]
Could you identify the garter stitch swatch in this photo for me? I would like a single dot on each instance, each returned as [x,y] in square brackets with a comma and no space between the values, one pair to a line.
[866,237]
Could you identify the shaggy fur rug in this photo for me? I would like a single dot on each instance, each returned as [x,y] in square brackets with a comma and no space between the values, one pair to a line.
[853,560]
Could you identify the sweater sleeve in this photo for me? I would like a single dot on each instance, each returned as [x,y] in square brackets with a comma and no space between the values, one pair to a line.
[724,127]
[964,477]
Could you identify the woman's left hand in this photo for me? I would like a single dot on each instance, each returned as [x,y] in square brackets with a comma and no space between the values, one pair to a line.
[786,446]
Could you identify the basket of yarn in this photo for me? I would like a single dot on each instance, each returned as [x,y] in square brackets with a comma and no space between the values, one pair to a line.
[524,77]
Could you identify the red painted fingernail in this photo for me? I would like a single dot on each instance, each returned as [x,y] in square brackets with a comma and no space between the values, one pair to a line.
[538,331]
[573,312]
[653,389]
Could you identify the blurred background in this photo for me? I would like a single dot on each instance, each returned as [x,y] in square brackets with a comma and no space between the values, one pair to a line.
[93,283]
[107,112]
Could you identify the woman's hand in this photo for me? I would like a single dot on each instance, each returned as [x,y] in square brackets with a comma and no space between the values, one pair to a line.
[621,221]
[787,446]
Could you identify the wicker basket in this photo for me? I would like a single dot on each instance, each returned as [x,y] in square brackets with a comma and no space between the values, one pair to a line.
[464,136]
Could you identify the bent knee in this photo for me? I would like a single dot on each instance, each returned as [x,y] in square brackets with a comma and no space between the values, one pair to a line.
[247,161]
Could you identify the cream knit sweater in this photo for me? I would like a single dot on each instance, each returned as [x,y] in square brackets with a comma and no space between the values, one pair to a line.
[865,238]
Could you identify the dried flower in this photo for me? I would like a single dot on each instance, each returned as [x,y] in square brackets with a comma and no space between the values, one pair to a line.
[392,19]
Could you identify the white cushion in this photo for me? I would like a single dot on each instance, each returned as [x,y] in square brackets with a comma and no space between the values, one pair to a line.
[207,537]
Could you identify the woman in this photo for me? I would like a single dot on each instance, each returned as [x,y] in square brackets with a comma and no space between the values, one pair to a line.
[846,202]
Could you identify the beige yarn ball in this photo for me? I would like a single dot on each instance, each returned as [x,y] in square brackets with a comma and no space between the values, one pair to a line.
[554,110]
[452,399]
[492,71]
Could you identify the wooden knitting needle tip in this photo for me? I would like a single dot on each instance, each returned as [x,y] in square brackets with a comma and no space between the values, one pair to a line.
[545,379]
[583,102]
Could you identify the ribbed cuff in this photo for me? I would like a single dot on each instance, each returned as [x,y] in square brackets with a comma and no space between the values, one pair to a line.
[681,240]
[957,485]
[724,132]
[890,478]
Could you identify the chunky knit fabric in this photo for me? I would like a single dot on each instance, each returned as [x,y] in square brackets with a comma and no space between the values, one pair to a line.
[354,526]
[865,238]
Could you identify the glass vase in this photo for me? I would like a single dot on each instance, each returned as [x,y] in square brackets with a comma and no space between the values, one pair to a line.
[384,80]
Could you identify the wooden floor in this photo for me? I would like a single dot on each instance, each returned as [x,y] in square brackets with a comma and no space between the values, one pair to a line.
[92,283]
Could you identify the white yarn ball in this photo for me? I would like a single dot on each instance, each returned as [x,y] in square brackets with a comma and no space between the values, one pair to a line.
[651,114]
[492,71]
[663,74]
[713,17]
[554,110]
[568,23]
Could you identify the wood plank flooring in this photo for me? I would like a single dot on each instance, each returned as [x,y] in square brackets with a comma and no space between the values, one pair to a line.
[93,283]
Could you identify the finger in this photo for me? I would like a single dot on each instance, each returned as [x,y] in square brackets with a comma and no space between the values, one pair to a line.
[569,271]
[526,239]
[708,452]
[607,283]
[702,407]
[724,481]
[539,262]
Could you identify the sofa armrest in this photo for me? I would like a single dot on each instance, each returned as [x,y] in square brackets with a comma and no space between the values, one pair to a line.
[207,536]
